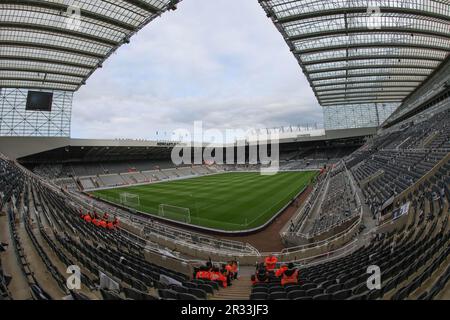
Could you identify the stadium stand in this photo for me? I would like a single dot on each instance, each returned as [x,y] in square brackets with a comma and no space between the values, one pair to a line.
[394,163]
[380,200]
[339,203]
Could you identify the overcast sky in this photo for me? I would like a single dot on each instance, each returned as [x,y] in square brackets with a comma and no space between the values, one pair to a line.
[219,61]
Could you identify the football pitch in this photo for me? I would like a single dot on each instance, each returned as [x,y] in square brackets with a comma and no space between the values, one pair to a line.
[229,201]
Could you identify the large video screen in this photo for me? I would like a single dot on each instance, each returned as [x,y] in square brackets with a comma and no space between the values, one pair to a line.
[39,101]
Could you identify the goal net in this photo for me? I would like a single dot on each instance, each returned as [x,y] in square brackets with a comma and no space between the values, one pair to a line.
[130,200]
[175,213]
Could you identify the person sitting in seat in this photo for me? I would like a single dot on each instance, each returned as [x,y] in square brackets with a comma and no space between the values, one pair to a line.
[96,222]
[103,224]
[88,218]
[219,277]
[281,271]
[261,275]
[203,273]
[110,225]
[271,263]
[290,275]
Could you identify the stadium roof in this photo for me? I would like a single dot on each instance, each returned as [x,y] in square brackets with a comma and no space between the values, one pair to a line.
[359,51]
[58,44]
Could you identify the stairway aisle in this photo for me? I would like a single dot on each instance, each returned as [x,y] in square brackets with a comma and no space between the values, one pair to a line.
[240,289]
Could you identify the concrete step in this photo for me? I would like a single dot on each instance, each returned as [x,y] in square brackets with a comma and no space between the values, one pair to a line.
[239,290]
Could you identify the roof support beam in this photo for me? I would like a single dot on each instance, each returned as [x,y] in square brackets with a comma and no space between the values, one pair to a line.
[39,86]
[362,101]
[344,10]
[372,45]
[59,31]
[371,57]
[37,80]
[367,30]
[361,98]
[349,95]
[371,75]
[362,67]
[143,5]
[44,71]
[320,92]
[43,60]
[52,47]
[61,8]
[318,86]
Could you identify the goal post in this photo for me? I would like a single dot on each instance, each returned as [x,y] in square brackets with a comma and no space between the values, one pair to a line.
[130,200]
[174,213]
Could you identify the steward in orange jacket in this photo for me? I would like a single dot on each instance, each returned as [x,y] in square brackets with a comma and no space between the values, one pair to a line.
[204,274]
[217,276]
[271,263]
[289,276]
[87,218]
[281,271]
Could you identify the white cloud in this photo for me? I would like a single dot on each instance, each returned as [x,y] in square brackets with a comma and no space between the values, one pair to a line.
[219,61]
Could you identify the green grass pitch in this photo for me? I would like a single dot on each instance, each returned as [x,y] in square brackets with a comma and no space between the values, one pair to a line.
[230,201]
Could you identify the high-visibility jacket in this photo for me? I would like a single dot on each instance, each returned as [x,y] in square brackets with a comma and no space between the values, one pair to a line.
[204,275]
[281,271]
[231,270]
[217,276]
[271,263]
[96,222]
[87,218]
[289,277]
[103,224]
[110,226]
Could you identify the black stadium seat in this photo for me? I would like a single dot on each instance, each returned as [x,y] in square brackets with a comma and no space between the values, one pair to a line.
[260,290]
[109,295]
[342,295]
[296,294]
[187,296]
[323,296]
[167,294]
[277,295]
[199,293]
[259,296]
